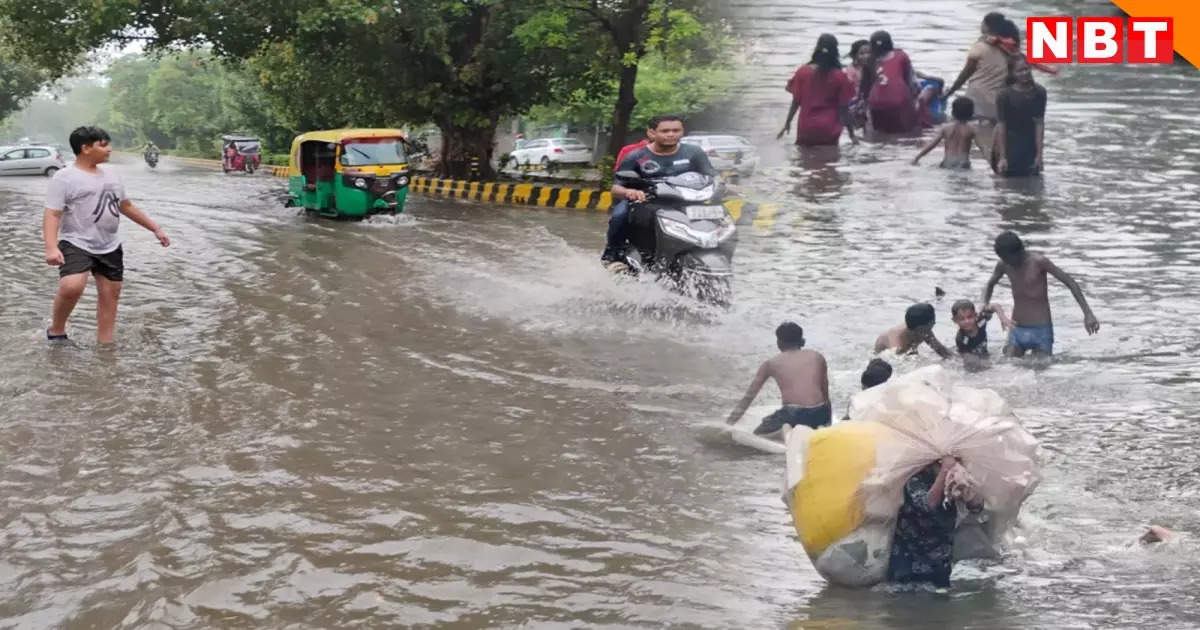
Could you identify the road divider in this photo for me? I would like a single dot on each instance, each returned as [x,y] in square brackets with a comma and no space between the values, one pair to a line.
[761,215]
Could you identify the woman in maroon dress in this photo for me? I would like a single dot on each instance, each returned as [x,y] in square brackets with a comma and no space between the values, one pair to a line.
[821,92]
[888,85]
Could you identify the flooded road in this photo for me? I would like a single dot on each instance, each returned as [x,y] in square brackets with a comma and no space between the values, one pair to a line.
[455,418]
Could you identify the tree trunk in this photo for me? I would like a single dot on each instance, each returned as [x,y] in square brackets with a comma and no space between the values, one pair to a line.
[623,110]
[467,151]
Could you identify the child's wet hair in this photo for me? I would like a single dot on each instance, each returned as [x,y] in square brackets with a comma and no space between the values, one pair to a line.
[1008,244]
[919,315]
[857,46]
[963,109]
[86,135]
[961,306]
[877,373]
[790,336]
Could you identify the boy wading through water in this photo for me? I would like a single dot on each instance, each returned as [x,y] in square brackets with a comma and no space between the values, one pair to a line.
[803,380]
[1032,327]
[84,204]
[958,136]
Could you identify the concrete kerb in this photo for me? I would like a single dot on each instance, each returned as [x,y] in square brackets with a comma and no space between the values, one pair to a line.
[761,215]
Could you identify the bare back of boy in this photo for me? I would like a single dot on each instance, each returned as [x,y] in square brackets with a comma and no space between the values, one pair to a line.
[802,376]
[958,138]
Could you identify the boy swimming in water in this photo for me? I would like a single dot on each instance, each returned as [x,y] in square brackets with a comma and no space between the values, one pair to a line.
[916,329]
[971,338]
[958,135]
[1033,328]
[803,380]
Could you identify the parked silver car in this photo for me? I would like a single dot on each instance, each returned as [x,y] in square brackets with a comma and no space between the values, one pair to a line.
[726,152]
[30,160]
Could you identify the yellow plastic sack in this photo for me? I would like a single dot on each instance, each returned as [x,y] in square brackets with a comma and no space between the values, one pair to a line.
[846,482]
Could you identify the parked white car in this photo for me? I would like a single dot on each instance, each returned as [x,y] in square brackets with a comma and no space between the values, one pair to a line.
[547,151]
[30,160]
[727,153]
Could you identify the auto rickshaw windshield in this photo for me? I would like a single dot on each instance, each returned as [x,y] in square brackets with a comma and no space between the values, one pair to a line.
[247,148]
[369,152]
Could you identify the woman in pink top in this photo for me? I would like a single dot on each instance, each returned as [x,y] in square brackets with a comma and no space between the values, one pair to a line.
[821,92]
[888,84]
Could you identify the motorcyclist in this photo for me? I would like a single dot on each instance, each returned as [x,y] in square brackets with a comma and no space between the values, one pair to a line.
[149,149]
[664,156]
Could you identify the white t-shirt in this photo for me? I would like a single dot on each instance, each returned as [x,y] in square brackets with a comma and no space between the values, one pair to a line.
[91,207]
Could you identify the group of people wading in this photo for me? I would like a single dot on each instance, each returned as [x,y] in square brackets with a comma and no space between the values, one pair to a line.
[881,91]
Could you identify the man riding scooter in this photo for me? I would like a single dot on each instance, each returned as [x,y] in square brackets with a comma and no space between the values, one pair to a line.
[664,156]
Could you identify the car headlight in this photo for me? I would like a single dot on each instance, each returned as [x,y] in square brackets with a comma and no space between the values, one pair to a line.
[401,181]
[360,183]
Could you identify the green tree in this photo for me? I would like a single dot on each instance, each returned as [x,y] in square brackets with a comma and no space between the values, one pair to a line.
[331,62]
[662,87]
[611,38]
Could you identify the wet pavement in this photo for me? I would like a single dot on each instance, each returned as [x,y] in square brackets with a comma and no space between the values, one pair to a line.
[455,418]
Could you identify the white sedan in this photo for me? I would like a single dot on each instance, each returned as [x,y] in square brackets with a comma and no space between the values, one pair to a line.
[30,160]
[727,152]
[547,151]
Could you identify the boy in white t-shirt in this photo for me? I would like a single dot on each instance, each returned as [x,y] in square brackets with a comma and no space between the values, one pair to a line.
[83,207]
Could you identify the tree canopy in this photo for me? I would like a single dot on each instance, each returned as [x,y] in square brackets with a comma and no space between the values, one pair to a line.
[463,65]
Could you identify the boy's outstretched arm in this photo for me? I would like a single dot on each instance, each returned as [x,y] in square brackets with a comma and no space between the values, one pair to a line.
[1005,322]
[760,378]
[997,273]
[930,145]
[937,346]
[1090,323]
[135,213]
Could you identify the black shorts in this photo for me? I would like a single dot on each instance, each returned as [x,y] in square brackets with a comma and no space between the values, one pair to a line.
[76,260]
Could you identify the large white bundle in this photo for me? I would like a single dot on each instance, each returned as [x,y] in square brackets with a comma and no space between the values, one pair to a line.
[847,482]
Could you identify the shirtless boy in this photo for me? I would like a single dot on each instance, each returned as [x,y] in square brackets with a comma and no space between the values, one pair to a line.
[958,135]
[1033,329]
[803,380]
[916,330]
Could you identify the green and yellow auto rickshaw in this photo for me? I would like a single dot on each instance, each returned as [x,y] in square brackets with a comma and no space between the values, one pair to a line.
[349,173]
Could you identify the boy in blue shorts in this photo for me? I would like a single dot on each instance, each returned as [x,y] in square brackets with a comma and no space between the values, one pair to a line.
[1033,329]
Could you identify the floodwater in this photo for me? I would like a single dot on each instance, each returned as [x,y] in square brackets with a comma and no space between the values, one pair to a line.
[455,418]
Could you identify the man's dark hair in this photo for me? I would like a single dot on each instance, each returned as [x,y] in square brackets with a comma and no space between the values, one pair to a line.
[1009,244]
[790,336]
[963,109]
[87,135]
[877,373]
[961,306]
[919,315]
[658,120]
[1010,30]
[994,21]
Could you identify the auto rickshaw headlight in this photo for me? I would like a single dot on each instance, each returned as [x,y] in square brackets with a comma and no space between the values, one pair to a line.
[360,183]
[401,181]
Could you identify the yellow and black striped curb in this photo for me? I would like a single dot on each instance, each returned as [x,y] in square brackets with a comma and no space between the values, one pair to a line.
[744,212]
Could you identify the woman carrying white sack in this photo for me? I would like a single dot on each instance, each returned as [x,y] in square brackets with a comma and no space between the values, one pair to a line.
[926,473]
[923,545]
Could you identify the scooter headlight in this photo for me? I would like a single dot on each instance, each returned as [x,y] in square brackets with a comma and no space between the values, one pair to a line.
[684,232]
[360,183]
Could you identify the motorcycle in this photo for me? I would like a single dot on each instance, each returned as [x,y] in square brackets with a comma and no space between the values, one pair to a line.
[682,235]
[151,158]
